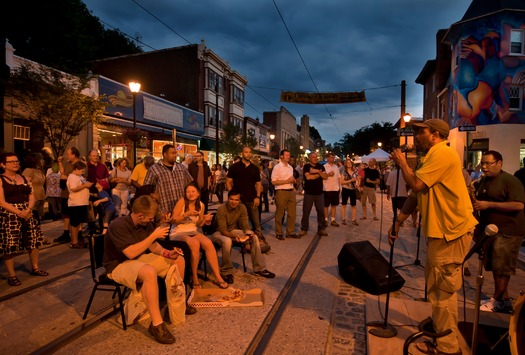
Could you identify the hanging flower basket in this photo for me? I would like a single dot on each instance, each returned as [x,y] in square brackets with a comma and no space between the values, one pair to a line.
[135,134]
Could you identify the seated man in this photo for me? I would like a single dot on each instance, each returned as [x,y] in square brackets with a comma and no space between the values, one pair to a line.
[232,224]
[126,261]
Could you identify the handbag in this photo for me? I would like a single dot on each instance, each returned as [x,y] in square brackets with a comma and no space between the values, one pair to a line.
[357,194]
[175,295]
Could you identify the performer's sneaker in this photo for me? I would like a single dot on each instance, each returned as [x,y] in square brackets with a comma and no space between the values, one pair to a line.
[504,307]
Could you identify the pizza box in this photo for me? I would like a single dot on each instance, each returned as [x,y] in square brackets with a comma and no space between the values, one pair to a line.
[211,297]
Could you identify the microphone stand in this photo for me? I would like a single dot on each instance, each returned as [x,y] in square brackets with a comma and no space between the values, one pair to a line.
[385,330]
[418,233]
[479,285]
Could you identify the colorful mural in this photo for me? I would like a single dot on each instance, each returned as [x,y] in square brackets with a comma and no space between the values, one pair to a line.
[149,109]
[480,83]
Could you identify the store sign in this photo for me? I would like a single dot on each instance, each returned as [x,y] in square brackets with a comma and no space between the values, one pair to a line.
[160,112]
[322,97]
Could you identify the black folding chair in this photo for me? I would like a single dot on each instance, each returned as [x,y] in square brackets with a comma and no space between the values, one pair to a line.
[103,282]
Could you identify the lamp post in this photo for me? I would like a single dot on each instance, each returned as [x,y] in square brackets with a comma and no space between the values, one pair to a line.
[406,118]
[135,88]
[217,120]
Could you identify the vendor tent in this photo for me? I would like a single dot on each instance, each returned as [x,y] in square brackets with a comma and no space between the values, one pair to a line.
[379,155]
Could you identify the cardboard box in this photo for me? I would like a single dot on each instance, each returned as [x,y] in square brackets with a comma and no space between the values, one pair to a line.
[210,298]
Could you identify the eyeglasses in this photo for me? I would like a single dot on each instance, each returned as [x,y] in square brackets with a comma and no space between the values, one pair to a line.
[13,161]
[488,163]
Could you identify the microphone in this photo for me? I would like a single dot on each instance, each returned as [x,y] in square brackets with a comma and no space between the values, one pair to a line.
[490,231]
[406,148]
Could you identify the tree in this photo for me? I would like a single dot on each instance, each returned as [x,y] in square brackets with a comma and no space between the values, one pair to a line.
[61,34]
[293,146]
[366,137]
[231,141]
[53,100]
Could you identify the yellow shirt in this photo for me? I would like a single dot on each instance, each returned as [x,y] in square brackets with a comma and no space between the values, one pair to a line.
[139,173]
[445,206]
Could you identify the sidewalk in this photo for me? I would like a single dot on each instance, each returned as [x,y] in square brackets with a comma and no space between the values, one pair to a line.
[325,315]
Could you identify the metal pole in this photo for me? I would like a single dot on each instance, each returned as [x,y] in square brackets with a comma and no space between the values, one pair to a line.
[217,120]
[134,127]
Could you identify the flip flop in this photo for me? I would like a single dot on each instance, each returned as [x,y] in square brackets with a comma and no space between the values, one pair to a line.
[223,285]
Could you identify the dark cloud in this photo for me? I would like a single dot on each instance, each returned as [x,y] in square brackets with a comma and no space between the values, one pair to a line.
[347,45]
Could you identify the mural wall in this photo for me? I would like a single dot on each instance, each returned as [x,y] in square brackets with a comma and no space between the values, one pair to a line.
[480,83]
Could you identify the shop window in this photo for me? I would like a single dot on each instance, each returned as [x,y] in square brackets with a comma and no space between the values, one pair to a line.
[21,132]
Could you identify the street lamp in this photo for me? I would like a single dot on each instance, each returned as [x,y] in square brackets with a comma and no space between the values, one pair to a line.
[135,88]
[379,144]
[406,117]
[272,136]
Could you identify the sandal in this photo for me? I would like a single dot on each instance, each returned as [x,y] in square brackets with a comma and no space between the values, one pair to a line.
[39,272]
[77,246]
[376,219]
[354,222]
[362,218]
[223,285]
[13,281]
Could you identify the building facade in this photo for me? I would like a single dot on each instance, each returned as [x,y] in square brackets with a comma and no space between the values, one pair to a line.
[191,76]
[483,96]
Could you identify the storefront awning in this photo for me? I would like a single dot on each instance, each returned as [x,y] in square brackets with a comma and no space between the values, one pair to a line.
[207,144]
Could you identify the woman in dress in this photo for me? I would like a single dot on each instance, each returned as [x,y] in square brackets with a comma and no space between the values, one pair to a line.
[18,228]
[121,176]
[350,182]
[188,216]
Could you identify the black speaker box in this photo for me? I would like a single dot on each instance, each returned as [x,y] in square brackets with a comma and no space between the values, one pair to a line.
[361,265]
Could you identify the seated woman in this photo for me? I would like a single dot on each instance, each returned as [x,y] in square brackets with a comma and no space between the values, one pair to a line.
[188,215]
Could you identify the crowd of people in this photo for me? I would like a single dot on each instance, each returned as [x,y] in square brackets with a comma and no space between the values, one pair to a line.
[167,222]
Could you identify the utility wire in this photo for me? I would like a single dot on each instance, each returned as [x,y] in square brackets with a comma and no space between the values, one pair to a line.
[164,23]
[304,63]
[125,34]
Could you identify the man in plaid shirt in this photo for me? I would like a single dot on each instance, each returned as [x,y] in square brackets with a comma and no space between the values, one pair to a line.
[169,177]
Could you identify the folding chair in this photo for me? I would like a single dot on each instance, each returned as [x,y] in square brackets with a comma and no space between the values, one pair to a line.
[103,282]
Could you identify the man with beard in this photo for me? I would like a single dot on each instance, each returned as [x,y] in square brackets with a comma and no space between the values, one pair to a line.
[500,198]
[447,223]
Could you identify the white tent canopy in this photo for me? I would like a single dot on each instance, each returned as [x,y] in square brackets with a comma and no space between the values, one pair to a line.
[379,155]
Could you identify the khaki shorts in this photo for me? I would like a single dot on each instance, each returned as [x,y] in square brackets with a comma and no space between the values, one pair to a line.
[368,193]
[126,273]
[502,258]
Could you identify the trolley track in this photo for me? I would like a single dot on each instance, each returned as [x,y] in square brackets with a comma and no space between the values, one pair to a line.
[257,345]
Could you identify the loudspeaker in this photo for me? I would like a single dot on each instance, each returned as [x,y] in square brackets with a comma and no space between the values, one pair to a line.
[361,265]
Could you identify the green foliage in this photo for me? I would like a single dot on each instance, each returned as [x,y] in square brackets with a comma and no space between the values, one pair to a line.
[314,133]
[54,101]
[231,142]
[61,34]
[293,146]
[367,137]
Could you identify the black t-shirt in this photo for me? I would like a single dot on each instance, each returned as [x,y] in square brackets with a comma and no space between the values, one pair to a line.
[244,179]
[122,233]
[314,186]
[372,174]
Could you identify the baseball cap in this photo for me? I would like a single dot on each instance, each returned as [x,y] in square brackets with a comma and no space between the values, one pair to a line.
[434,124]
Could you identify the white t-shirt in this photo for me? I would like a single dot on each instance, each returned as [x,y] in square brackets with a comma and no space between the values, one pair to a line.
[391,181]
[282,172]
[79,198]
[333,183]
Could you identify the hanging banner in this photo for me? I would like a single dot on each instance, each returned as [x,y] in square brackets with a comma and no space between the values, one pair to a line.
[323,97]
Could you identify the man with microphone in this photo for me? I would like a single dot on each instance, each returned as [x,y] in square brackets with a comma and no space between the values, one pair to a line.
[447,223]
[499,198]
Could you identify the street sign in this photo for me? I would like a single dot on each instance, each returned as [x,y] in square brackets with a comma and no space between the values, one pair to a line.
[406,131]
[467,128]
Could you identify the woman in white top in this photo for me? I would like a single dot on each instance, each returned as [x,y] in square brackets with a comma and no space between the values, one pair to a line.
[121,175]
[188,215]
